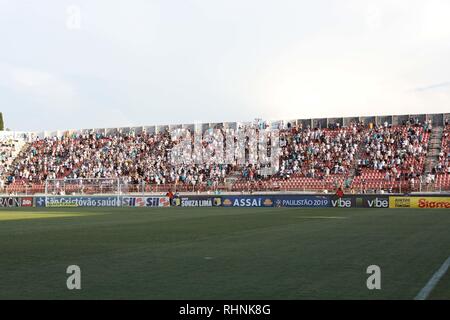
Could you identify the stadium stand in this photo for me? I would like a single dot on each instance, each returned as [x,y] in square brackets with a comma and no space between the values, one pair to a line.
[312,159]
[392,155]
[358,156]
[9,149]
[134,157]
[442,169]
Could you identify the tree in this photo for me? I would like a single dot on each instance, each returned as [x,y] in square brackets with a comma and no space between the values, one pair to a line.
[2,127]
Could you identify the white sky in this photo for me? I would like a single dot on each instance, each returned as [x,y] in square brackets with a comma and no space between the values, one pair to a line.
[145,62]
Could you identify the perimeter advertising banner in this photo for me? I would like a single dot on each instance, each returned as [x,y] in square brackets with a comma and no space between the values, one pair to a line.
[308,201]
[344,202]
[299,201]
[76,201]
[287,201]
[197,201]
[419,202]
[375,202]
[247,201]
[9,202]
[145,202]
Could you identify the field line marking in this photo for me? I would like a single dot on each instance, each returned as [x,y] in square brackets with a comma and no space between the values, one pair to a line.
[320,217]
[424,293]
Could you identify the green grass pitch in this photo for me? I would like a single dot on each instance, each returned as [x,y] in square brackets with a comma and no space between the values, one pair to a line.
[221,253]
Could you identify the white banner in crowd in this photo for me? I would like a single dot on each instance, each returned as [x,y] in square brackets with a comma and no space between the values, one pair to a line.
[241,146]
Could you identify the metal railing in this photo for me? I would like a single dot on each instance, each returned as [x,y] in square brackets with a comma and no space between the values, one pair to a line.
[249,186]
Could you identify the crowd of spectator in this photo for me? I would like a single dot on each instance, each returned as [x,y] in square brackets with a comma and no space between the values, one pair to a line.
[9,148]
[443,166]
[317,152]
[136,158]
[398,152]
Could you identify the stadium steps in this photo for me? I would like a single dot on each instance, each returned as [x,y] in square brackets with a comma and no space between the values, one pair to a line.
[434,148]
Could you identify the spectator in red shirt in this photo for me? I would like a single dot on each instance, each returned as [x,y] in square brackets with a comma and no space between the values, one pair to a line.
[170,195]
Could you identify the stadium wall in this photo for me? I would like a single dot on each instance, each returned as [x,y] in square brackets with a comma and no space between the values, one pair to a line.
[437,119]
[276,200]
